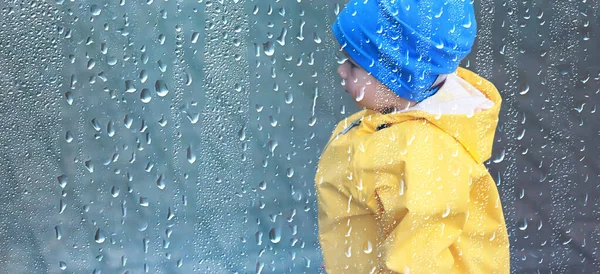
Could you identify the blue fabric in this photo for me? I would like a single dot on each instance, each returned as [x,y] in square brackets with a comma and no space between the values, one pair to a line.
[407,44]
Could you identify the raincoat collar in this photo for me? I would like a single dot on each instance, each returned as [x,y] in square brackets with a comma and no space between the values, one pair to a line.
[474,131]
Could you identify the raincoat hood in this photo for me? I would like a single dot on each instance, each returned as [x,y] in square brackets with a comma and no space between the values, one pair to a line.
[474,130]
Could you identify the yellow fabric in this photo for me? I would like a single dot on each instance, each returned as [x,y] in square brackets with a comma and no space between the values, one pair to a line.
[414,197]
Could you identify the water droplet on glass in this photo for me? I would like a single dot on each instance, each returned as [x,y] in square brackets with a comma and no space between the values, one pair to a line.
[272,146]
[289,98]
[62,181]
[144,201]
[127,121]
[58,232]
[96,125]
[69,97]
[440,45]
[111,61]
[300,35]
[193,117]
[161,88]
[191,156]
[143,76]
[110,129]
[162,122]
[242,133]
[61,206]
[195,37]
[68,137]
[500,158]
[99,237]
[269,48]
[281,39]
[524,225]
[368,247]
[361,94]
[95,10]
[524,89]
[316,38]
[62,265]
[160,182]
[89,165]
[312,120]
[188,79]
[162,66]
[290,172]
[259,267]
[130,86]
[275,235]
[114,191]
[272,121]
[170,214]
[146,96]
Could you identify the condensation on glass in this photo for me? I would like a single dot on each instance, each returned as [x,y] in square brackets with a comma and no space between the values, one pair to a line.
[182,136]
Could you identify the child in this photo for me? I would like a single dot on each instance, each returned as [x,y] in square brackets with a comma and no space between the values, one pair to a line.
[401,185]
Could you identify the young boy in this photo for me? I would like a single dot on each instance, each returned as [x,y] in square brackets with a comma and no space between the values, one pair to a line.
[401,185]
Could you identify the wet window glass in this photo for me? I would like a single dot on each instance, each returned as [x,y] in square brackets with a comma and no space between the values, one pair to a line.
[164,136]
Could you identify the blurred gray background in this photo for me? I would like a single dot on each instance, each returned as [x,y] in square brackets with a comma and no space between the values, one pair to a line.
[181,136]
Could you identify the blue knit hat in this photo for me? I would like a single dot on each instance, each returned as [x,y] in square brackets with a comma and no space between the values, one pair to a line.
[407,44]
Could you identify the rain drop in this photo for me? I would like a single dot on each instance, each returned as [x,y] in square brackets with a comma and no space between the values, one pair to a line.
[62,181]
[242,133]
[144,201]
[281,39]
[272,146]
[114,191]
[145,96]
[524,89]
[269,48]
[289,98]
[170,214]
[190,155]
[129,86]
[69,97]
[99,236]
[68,137]
[160,182]
[127,121]
[275,235]
[368,247]
[162,66]
[143,76]
[188,79]
[110,129]
[316,38]
[262,185]
[195,37]
[95,10]
[58,232]
[161,88]
[89,165]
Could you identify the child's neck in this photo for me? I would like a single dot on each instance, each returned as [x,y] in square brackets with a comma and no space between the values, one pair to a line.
[397,108]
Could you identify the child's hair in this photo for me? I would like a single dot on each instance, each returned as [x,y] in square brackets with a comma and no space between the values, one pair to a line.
[407,44]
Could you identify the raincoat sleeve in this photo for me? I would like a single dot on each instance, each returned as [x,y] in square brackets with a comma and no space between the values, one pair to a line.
[421,181]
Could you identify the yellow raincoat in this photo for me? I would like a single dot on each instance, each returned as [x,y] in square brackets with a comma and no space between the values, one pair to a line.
[408,192]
